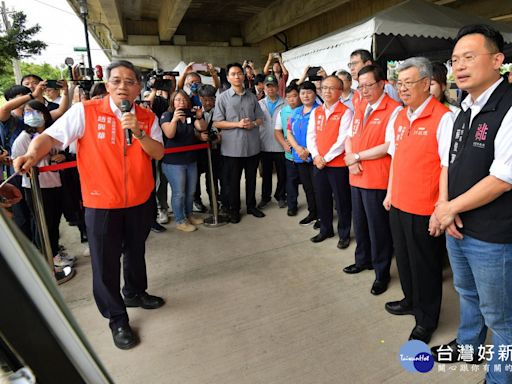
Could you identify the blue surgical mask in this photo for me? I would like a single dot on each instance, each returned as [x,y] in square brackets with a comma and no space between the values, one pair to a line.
[194,87]
[33,119]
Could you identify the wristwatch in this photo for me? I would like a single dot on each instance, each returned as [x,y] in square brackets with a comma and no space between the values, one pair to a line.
[141,135]
[31,96]
[357,157]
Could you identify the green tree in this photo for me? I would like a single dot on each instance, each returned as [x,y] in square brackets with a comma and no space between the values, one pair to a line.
[18,41]
[45,71]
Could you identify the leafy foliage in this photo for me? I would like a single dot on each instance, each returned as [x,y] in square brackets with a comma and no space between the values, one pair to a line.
[17,42]
[45,71]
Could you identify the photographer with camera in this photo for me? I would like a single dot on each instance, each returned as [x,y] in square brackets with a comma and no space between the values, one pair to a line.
[162,84]
[207,96]
[250,75]
[38,86]
[278,70]
[182,126]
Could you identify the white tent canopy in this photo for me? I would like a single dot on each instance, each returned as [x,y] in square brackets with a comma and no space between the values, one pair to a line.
[410,28]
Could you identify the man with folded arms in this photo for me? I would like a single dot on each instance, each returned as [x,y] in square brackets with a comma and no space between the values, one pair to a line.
[419,140]
[368,163]
[476,204]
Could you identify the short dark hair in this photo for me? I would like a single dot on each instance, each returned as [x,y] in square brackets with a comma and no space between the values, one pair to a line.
[206,90]
[259,78]
[173,96]
[493,38]
[291,88]
[38,106]
[98,89]
[439,72]
[31,75]
[308,85]
[126,64]
[377,71]
[16,90]
[231,65]
[364,54]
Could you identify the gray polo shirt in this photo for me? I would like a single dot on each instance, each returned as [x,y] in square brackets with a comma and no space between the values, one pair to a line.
[268,140]
[238,142]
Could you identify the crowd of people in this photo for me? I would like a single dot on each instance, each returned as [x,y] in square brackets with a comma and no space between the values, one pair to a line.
[398,159]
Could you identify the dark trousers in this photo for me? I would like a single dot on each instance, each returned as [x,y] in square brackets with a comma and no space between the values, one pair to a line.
[306,178]
[233,168]
[268,160]
[21,213]
[331,181]
[371,227]
[113,232]
[292,183]
[419,262]
[202,167]
[52,203]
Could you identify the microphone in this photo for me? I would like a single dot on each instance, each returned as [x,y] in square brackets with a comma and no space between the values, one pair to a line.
[127,107]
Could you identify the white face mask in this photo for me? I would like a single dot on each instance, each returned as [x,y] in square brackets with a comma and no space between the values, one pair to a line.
[33,119]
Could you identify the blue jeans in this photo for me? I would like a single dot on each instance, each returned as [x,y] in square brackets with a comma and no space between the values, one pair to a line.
[182,179]
[482,276]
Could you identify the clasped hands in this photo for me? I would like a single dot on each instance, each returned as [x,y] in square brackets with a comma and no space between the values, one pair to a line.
[446,219]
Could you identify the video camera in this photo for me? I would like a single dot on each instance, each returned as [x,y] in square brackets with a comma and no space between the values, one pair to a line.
[159,82]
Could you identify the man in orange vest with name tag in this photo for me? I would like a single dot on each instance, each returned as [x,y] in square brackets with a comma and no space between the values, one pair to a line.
[327,130]
[117,184]
[369,162]
[419,142]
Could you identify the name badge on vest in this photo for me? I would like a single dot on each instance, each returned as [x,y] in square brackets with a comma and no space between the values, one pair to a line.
[105,124]
[400,133]
[421,131]
[480,135]
[320,123]
[355,126]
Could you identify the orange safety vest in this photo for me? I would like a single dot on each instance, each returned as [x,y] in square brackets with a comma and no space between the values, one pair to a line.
[110,178]
[327,131]
[416,162]
[356,99]
[375,173]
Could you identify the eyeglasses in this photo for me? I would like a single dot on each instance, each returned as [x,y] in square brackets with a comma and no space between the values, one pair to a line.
[408,84]
[326,88]
[127,82]
[365,86]
[468,58]
[352,64]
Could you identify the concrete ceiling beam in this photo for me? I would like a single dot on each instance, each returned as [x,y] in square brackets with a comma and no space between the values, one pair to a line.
[112,12]
[172,13]
[281,15]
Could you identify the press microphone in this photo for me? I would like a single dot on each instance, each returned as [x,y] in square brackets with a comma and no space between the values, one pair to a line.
[127,107]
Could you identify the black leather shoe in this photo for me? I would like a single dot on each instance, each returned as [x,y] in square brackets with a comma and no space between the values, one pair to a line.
[308,220]
[263,203]
[320,237]
[449,353]
[317,225]
[292,212]
[398,308]
[379,287]
[144,300]
[124,337]
[255,212]
[234,217]
[352,269]
[421,333]
[343,243]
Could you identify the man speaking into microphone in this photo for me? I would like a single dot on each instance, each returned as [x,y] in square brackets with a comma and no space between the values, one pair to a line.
[116,142]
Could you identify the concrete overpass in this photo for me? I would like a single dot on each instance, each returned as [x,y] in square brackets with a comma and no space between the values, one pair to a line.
[164,32]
